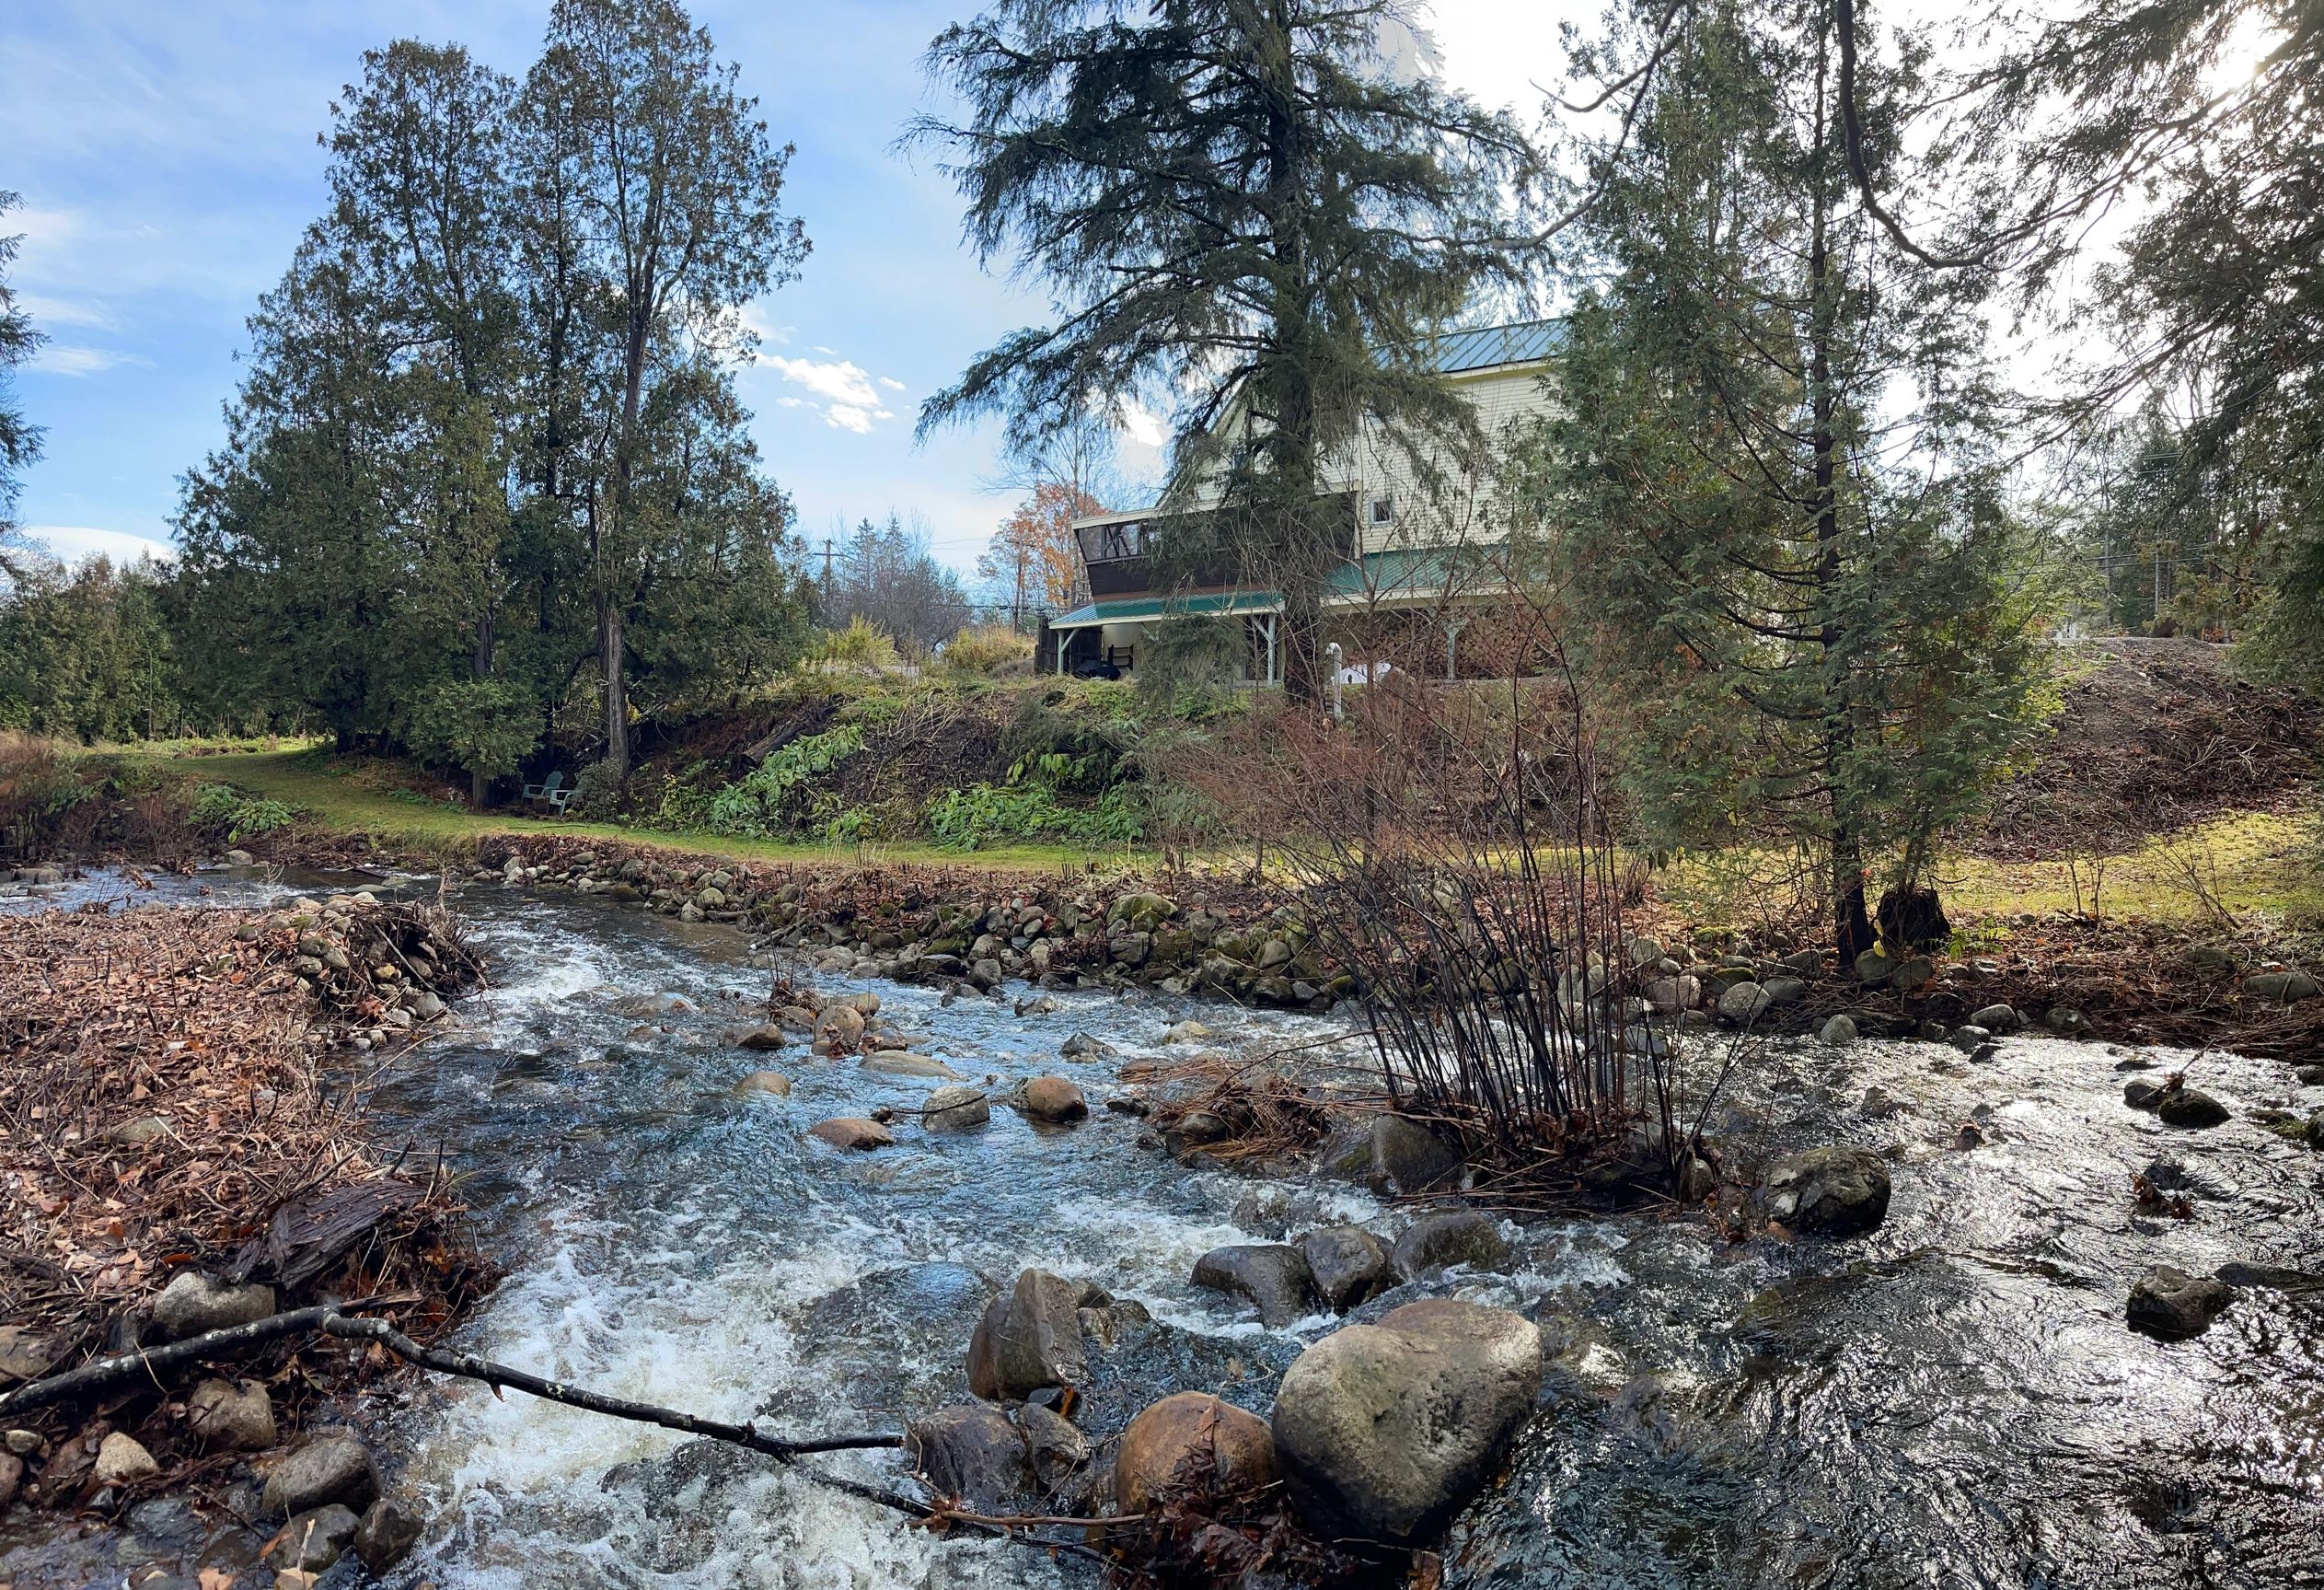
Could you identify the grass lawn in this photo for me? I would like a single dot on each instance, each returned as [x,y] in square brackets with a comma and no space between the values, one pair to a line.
[329,794]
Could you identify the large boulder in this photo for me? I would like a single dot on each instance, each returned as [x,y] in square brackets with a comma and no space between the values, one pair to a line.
[333,1467]
[2168,1303]
[194,1304]
[1408,1158]
[1348,1264]
[1273,1277]
[1442,1241]
[973,1453]
[1836,1190]
[1192,1448]
[1745,1001]
[1029,1337]
[2281,986]
[1385,1431]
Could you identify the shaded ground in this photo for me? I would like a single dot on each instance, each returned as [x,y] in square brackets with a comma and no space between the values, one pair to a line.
[2155,734]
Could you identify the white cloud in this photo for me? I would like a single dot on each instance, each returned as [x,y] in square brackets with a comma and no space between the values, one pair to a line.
[61,359]
[851,396]
[66,312]
[891,383]
[71,543]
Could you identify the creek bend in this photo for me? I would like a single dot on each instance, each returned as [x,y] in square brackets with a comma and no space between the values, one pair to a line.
[1953,1398]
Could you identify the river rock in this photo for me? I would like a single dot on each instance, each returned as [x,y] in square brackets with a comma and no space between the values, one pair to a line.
[2190,1108]
[1408,1158]
[1836,1190]
[313,1541]
[771,1036]
[1873,968]
[903,1062]
[2142,1095]
[1055,1099]
[1029,1337]
[1051,1443]
[1744,1002]
[841,1026]
[1273,1277]
[387,1532]
[852,1132]
[25,1354]
[1840,1029]
[1672,995]
[1347,1263]
[1998,1019]
[1784,990]
[1195,1448]
[121,1459]
[1082,1046]
[2168,1303]
[973,1453]
[1385,1431]
[11,1477]
[2284,986]
[771,1084]
[332,1466]
[194,1304]
[1442,1241]
[2066,1021]
[224,1413]
[954,1109]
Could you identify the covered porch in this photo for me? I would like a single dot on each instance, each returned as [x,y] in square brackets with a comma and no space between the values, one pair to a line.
[1113,630]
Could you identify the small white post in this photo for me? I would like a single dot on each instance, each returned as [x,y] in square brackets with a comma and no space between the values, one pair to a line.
[1332,661]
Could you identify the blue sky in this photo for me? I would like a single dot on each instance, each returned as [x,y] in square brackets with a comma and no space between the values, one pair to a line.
[166,153]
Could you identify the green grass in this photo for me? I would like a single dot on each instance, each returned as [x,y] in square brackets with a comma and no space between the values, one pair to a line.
[325,793]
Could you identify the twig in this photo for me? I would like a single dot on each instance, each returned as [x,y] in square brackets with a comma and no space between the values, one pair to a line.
[142,1364]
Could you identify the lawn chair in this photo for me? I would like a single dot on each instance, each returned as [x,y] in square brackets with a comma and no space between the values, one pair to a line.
[551,790]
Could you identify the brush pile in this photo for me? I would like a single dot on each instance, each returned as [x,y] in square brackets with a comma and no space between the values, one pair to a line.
[165,1106]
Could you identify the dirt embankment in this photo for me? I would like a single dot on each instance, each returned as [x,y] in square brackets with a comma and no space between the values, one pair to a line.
[181,1148]
[2154,735]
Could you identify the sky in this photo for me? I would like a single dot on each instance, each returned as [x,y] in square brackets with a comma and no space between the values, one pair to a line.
[166,156]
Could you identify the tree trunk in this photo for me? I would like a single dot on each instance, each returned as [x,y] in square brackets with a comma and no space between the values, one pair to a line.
[616,696]
[1851,927]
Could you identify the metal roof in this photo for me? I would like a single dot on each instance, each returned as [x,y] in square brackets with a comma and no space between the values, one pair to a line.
[1144,609]
[1483,347]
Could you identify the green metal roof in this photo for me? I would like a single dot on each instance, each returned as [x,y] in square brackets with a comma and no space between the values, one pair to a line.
[1482,347]
[1409,571]
[1145,609]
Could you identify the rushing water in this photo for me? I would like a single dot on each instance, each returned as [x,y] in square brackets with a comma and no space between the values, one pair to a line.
[1953,1399]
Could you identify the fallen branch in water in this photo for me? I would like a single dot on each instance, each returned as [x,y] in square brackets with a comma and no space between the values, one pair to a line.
[467,1365]
[470,1367]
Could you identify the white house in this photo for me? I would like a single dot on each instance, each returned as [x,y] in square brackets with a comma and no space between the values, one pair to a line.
[1411,549]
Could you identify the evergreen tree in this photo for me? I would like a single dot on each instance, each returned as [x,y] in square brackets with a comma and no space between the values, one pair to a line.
[670,196]
[1247,205]
[1774,493]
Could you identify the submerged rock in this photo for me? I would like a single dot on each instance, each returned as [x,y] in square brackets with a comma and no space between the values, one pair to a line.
[1443,1241]
[772,1084]
[2168,1303]
[1348,1264]
[763,1037]
[1273,1277]
[1385,1431]
[1195,1448]
[1836,1190]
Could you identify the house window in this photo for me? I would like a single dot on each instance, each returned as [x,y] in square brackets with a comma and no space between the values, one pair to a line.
[1384,510]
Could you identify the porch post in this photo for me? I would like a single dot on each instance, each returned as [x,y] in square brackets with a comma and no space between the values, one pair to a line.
[1270,650]
[1452,629]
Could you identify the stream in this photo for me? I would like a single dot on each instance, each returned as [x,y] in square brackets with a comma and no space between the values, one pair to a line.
[1952,1399]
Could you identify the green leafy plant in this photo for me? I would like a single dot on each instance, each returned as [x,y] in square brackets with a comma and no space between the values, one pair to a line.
[222,807]
[759,806]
